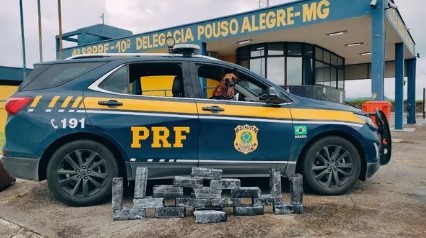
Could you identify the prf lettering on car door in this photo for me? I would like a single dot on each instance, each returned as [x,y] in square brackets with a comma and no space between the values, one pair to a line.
[160,137]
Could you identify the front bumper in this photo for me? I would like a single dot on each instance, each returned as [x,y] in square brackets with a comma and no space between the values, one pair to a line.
[372,169]
[373,163]
[22,167]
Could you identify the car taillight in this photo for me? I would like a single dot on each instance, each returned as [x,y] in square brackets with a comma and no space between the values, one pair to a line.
[16,104]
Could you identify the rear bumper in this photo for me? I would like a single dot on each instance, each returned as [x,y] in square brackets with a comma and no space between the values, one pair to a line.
[22,167]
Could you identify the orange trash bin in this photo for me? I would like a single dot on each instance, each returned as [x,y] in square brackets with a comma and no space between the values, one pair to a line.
[370,107]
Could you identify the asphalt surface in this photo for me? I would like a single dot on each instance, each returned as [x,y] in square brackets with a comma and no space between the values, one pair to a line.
[391,204]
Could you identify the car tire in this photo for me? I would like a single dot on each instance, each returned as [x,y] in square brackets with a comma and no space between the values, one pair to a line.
[331,166]
[80,173]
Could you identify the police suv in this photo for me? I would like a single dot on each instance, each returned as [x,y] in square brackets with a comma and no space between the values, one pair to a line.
[80,122]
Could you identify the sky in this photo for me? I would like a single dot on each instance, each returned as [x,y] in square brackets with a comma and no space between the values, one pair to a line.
[142,15]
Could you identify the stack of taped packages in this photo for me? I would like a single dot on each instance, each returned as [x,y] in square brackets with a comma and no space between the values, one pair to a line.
[188,196]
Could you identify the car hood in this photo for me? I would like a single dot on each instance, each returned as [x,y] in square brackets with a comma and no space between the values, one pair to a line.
[318,104]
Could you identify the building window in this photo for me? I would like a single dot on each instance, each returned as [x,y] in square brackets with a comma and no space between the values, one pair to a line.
[258,66]
[329,69]
[257,51]
[319,73]
[308,72]
[294,64]
[294,71]
[294,49]
[276,70]
[276,49]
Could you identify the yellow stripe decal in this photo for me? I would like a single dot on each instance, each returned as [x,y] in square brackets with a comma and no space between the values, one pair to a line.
[282,113]
[36,101]
[53,102]
[324,115]
[66,102]
[248,111]
[143,105]
[76,102]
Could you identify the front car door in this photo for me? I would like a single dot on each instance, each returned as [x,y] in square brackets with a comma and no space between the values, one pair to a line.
[245,135]
[148,109]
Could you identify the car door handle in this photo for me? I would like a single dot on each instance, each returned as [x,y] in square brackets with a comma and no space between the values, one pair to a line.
[214,109]
[111,103]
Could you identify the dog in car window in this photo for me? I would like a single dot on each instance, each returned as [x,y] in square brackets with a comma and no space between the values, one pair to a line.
[225,90]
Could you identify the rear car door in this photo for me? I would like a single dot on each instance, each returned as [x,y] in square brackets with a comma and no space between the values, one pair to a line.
[245,135]
[148,109]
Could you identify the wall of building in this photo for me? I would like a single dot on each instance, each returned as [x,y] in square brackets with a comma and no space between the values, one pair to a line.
[229,58]
[5,92]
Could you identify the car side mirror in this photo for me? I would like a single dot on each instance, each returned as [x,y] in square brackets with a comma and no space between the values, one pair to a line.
[274,97]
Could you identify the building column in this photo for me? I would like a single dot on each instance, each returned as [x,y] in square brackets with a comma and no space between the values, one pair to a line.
[378,51]
[203,50]
[203,81]
[399,86]
[411,68]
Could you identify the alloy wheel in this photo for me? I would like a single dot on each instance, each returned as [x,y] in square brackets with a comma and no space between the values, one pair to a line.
[333,166]
[82,173]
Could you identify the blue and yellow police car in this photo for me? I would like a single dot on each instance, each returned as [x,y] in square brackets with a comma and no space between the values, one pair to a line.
[82,121]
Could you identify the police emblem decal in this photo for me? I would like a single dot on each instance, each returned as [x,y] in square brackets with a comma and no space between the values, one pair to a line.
[246,139]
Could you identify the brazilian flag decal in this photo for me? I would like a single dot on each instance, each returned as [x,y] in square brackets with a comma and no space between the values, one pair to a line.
[301,132]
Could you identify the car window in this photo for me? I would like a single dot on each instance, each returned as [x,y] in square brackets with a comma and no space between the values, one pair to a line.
[117,82]
[256,89]
[38,69]
[147,79]
[57,74]
[246,88]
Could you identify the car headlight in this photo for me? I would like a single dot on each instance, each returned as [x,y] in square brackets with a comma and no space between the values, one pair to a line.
[367,120]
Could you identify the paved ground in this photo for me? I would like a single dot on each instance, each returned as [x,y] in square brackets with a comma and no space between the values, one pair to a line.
[391,204]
